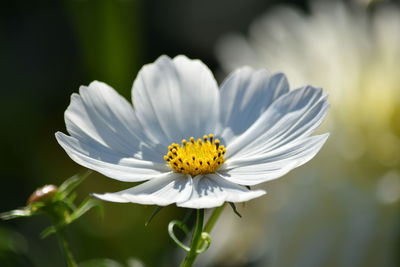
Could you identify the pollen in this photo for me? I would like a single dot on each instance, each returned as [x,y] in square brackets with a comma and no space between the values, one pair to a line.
[196,157]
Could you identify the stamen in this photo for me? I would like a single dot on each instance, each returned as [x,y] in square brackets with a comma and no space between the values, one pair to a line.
[211,136]
[196,157]
[217,143]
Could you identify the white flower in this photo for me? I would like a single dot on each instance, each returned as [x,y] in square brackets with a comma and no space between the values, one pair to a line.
[251,130]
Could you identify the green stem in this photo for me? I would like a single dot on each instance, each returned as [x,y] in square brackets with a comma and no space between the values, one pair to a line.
[213,219]
[192,254]
[196,240]
[68,256]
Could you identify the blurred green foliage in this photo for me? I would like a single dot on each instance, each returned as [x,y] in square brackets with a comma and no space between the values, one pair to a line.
[109,40]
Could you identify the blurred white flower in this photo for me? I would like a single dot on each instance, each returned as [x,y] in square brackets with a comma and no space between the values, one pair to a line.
[353,54]
[388,188]
[309,223]
[343,211]
[265,127]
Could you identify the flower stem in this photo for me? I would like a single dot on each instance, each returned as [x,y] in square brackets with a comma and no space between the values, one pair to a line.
[213,219]
[196,240]
[192,254]
[68,256]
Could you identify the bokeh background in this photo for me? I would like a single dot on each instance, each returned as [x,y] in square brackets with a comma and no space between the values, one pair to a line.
[341,209]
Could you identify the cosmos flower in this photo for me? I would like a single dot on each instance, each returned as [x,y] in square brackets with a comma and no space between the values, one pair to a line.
[194,144]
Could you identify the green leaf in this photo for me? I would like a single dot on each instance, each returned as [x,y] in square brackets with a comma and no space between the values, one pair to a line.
[70,184]
[171,233]
[84,207]
[48,231]
[153,214]
[12,214]
[234,209]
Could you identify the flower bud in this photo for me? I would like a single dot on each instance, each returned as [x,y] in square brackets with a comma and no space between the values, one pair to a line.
[43,194]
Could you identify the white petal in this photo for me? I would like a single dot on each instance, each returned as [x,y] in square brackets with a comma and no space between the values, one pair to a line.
[289,130]
[100,115]
[273,164]
[211,191]
[176,99]
[162,191]
[108,162]
[293,116]
[245,95]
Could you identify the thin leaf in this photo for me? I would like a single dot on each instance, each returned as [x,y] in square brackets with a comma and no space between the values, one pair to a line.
[206,242]
[171,233]
[12,214]
[84,207]
[48,231]
[153,214]
[234,209]
[70,184]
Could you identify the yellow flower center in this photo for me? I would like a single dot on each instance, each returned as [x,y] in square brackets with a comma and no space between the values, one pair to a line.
[196,157]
